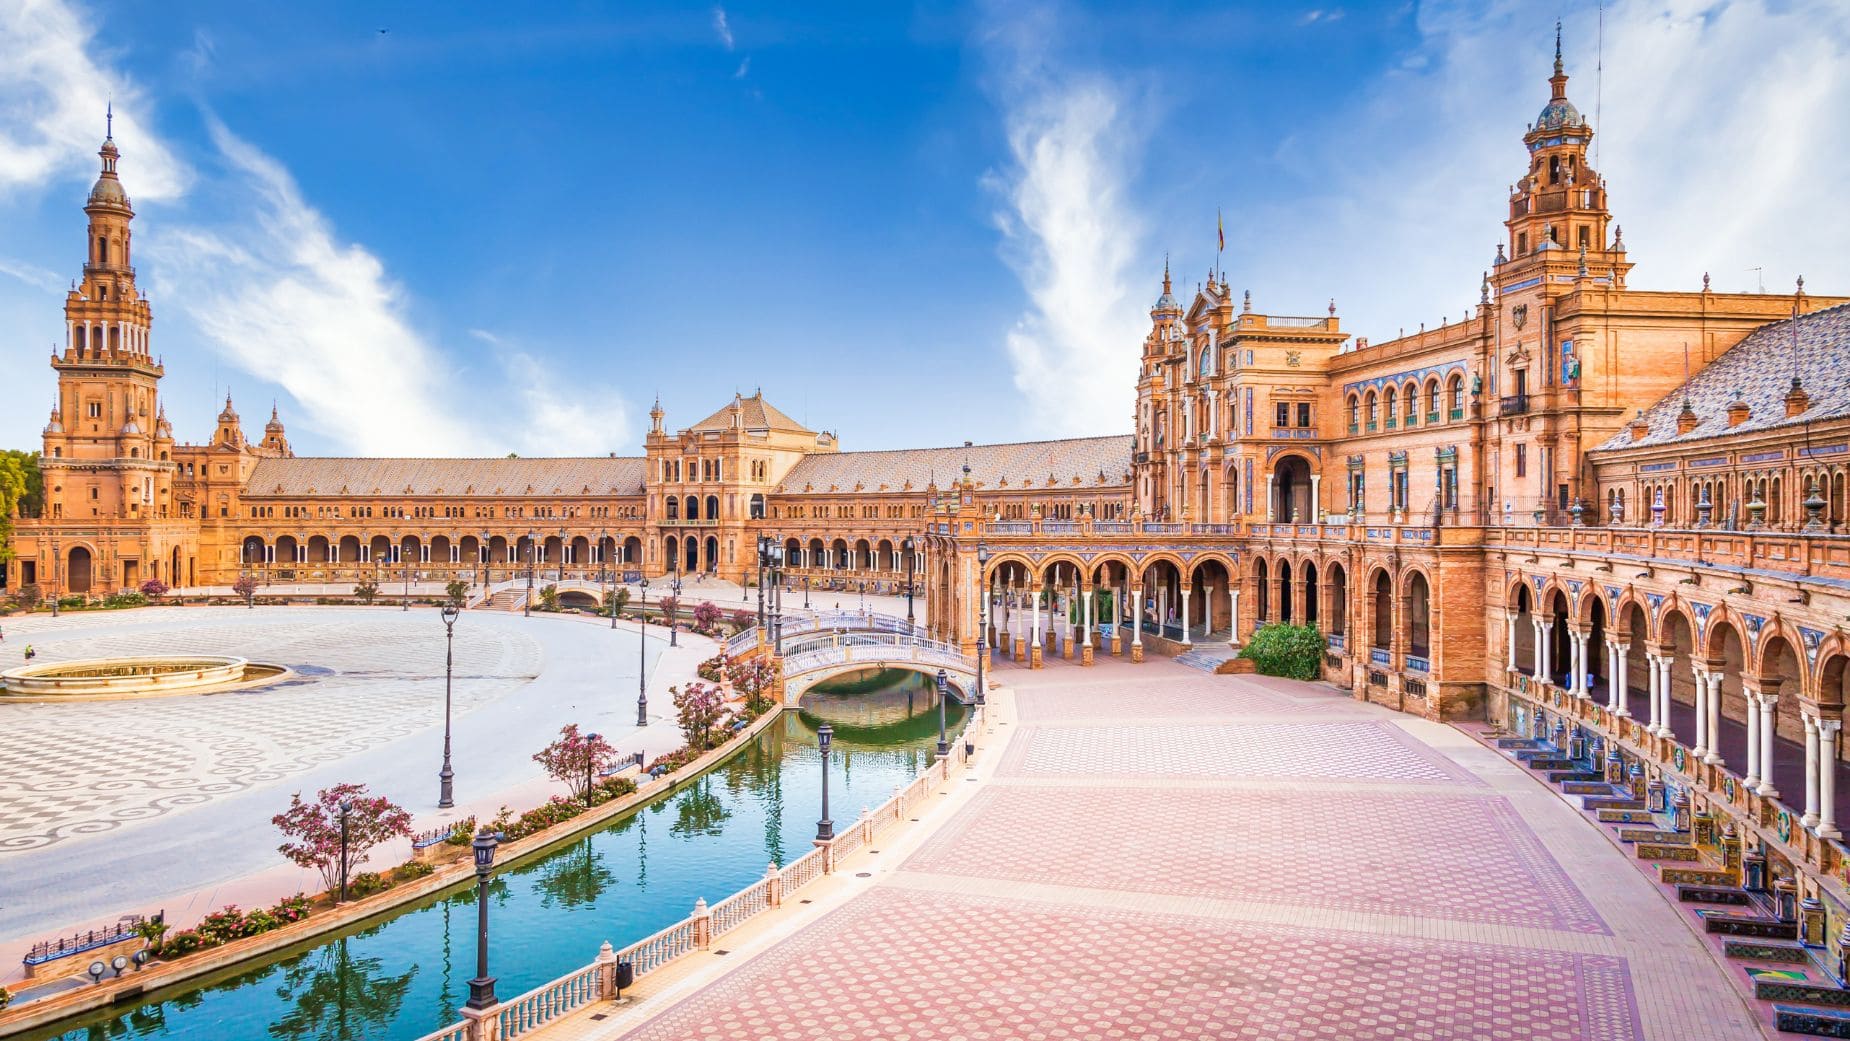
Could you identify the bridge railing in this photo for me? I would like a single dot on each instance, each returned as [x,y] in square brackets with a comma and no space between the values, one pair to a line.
[822,621]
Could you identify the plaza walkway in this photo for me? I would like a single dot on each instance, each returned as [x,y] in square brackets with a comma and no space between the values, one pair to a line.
[1159,853]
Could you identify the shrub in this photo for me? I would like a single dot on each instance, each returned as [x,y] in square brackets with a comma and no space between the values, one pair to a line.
[672,761]
[153,930]
[549,598]
[576,758]
[706,615]
[28,596]
[616,600]
[221,926]
[367,590]
[1295,651]
[115,600]
[291,908]
[700,710]
[245,586]
[153,588]
[462,832]
[411,869]
[457,590]
[366,883]
[186,941]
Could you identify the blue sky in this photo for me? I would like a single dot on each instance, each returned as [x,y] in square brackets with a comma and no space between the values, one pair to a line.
[492,229]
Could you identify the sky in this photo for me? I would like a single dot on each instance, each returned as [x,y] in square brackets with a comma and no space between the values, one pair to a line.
[475,229]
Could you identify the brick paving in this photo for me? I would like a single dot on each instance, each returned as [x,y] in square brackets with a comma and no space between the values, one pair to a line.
[1262,872]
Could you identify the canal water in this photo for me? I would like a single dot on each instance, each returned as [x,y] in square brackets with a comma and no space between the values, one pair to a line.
[400,979]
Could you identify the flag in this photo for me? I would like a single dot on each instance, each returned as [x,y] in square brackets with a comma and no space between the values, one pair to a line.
[1220,228]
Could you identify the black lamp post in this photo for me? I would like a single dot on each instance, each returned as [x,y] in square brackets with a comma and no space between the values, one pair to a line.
[944,688]
[57,560]
[825,828]
[482,988]
[982,618]
[526,607]
[777,599]
[488,559]
[642,659]
[764,551]
[674,593]
[346,807]
[591,741]
[446,776]
[907,547]
[407,604]
[805,592]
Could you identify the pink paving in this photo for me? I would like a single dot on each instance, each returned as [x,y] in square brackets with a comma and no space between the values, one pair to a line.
[1196,696]
[1384,853]
[1337,750]
[895,964]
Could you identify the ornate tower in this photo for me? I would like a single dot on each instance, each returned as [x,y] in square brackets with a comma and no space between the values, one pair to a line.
[104,454]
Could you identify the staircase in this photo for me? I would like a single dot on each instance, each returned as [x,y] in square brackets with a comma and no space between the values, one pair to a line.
[1754,931]
[508,600]
[1206,656]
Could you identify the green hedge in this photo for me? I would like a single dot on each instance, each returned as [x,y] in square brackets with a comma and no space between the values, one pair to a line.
[1295,651]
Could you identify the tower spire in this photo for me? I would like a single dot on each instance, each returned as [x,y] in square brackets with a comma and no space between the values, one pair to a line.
[1558,81]
[109,120]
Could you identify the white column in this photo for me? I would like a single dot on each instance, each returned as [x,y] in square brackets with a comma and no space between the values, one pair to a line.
[1316,499]
[1582,683]
[1615,677]
[1811,772]
[1535,639]
[1715,712]
[1137,616]
[1271,512]
[1752,778]
[1233,614]
[1700,691]
[1544,652]
[1086,630]
[1827,778]
[1769,729]
[1663,696]
[1034,600]
[1653,724]
[1511,616]
[1186,589]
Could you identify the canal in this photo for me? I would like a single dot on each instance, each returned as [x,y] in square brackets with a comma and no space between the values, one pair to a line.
[402,978]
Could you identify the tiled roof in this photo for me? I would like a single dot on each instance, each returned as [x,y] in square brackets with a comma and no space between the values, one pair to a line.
[1095,461]
[1758,370]
[599,475]
[755,413]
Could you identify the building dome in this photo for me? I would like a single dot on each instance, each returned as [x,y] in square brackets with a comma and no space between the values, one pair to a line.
[1558,113]
[131,427]
[108,191]
[229,415]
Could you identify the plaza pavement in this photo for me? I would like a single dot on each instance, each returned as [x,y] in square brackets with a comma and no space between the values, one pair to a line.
[1159,853]
[113,807]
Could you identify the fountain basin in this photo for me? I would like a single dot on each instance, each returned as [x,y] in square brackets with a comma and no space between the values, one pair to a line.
[141,676]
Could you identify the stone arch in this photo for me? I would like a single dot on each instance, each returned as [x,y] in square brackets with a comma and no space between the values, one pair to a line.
[318,550]
[1416,594]
[1289,489]
[1262,588]
[79,569]
[286,548]
[1381,617]
[1336,579]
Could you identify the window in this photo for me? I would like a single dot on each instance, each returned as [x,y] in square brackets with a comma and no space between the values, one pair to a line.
[1284,414]
[1522,460]
[1355,413]
[95,410]
[1303,413]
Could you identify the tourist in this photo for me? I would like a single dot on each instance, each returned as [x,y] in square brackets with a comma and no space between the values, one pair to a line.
[30,653]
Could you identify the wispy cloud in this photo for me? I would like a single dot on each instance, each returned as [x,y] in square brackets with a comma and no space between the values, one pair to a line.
[722,27]
[1070,231]
[588,421]
[56,89]
[1312,17]
[31,274]
[745,66]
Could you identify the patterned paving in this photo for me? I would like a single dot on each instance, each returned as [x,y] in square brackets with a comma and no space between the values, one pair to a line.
[69,770]
[1250,846]
[922,966]
[1329,751]
[1193,696]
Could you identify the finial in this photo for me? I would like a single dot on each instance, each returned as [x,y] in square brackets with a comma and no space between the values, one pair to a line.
[1557,47]
[1483,288]
[1248,304]
[1705,281]
[109,119]
[1165,273]
[1618,237]
[1332,307]
[1583,260]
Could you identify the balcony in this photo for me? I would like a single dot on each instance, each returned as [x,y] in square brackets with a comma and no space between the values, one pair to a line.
[1513,405]
[1457,414]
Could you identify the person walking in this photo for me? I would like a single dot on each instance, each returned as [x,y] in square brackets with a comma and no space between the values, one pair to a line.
[30,653]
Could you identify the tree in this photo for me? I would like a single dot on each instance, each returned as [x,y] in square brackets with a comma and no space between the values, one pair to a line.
[699,709]
[366,590]
[154,589]
[620,597]
[549,598]
[22,492]
[1279,649]
[706,613]
[576,757]
[246,587]
[457,590]
[669,605]
[312,829]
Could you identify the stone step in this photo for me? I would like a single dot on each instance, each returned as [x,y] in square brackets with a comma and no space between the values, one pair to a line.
[1672,875]
[1750,949]
[1824,994]
[1552,760]
[1744,925]
[1637,816]
[1653,835]
[1666,851]
[1578,774]
[1812,1022]
[1614,803]
[1515,742]
[1589,787]
[1715,895]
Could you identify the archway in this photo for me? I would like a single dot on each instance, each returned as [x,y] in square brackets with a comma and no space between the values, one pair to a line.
[77,570]
[251,552]
[1676,638]
[1522,649]
[1419,618]
[712,549]
[1262,588]
[1291,490]
[1311,605]
[1286,601]
[1339,600]
[1380,639]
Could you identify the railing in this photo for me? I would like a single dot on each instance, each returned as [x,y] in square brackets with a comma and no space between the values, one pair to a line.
[1378,655]
[1513,405]
[1012,527]
[64,947]
[546,1004]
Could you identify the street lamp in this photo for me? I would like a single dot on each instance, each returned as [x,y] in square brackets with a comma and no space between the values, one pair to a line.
[982,623]
[642,659]
[488,559]
[674,593]
[346,807]
[526,607]
[944,688]
[445,776]
[407,605]
[764,552]
[906,546]
[805,592]
[482,988]
[777,598]
[591,741]
[825,828]
[57,561]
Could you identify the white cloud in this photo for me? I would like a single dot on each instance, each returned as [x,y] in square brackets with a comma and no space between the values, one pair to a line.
[1312,17]
[1715,139]
[56,91]
[1071,233]
[32,274]
[722,27]
[589,422]
[745,66]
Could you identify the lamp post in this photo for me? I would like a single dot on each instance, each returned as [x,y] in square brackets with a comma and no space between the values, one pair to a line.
[944,688]
[642,660]
[825,828]
[906,547]
[482,987]
[488,559]
[346,807]
[591,741]
[982,620]
[777,599]
[805,592]
[526,607]
[764,551]
[57,566]
[446,776]
[407,604]
[674,593]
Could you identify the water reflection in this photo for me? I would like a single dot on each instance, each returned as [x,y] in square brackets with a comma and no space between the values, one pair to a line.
[405,977]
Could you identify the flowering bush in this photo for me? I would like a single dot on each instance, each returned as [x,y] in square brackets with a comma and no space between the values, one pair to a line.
[366,883]
[669,606]
[674,760]
[153,587]
[700,710]
[576,758]
[245,586]
[706,615]
[186,941]
[221,926]
[462,832]
[411,869]
[710,669]
[314,829]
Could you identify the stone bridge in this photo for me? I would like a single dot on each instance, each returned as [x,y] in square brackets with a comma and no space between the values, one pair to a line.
[828,644]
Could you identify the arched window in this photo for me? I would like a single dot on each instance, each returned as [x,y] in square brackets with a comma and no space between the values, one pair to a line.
[1432,401]
[713,507]
[102,250]
[674,508]
[1355,413]
[1392,400]
[1412,399]
[1457,391]
[1373,410]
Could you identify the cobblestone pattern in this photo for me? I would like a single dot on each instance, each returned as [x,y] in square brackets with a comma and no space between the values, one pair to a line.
[84,768]
[1398,853]
[1193,697]
[932,967]
[1330,751]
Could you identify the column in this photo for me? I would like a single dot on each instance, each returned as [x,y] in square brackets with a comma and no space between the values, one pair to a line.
[1544,647]
[1579,664]
[1316,500]
[1034,640]
[1187,588]
[1233,613]
[1811,771]
[1827,778]
[1769,728]
[1650,676]
[1136,623]
[1085,633]
[1700,690]
[1511,616]
[1616,694]
[1714,757]
[1752,778]
[1271,513]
